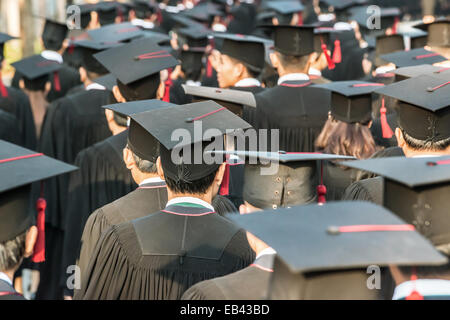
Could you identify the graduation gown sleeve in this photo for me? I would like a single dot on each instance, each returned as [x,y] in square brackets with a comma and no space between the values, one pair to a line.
[9,128]
[365,190]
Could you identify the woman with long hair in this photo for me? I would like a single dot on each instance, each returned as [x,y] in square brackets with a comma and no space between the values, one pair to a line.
[346,132]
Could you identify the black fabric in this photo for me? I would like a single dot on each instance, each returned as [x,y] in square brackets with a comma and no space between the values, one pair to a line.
[71,125]
[244,16]
[365,190]
[337,179]
[299,113]
[120,270]
[9,128]
[102,178]
[14,213]
[249,113]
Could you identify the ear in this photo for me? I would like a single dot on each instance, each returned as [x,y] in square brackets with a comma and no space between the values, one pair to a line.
[400,139]
[275,21]
[160,169]
[243,209]
[295,19]
[83,74]
[22,84]
[109,115]
[118,95]
[161,90]
[30,241]
[48,87]
[312,58]
[128,159]
[220,173]
[274,60]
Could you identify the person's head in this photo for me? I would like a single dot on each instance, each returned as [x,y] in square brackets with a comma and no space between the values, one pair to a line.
[413,146]
[116,122]
[151,87]
[231,70]
[290,19]
[347,139]
[320,63]
[141,169]
[41,84]
[54,35]
[285,64]
[13,251]
[403,274]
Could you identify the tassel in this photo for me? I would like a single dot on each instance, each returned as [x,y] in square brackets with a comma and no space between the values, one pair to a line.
[330,62]
[395,26]
[39,248]
[168,85]
[225,186]
[300,19]
[56,82]
[72,45]
[159,17]
[337,54]
[209,71]
[385,128]
[3,89]
[321,189]
[414,295]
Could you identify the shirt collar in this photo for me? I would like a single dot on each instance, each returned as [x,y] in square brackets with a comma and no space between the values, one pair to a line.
[384,69]
[193,83]
[95,86]
[426,287]
[193,200]
[314,72]
[151,180]
[248,82]
[266,251]
[426,156]
[293,77]
[142,23]
[52,55]
[5,278]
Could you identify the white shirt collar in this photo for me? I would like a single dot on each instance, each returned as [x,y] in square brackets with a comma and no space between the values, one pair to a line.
[193,83]
[384,69]
[142,23]
[426,156]
[5,278]
[426,287]
[52,55]
[248,82]
[190,200]
[293,77]
[95,86]
[266,251]
[151,180]
[314,72]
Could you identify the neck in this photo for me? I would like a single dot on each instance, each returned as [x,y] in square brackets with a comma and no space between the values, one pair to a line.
[115,128]
[87,82]
[207,197]
[141,177]
[409,153]
[9,274]
[39,104]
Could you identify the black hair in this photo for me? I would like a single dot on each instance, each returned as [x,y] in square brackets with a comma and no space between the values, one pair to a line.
[196,187]
[37,84]
[52,44]
[427,272]
[142,89]
[299,62]
[422,145]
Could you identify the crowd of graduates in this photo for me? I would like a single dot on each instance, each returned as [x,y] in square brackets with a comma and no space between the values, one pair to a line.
[330,122]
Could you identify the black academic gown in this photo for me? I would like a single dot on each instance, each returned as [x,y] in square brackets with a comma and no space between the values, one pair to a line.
[102,178]
[71,124]
[337,179]
[7,292]
[9,128]
[17,104]
[177,95]
[249,113]
[68,78]
[242,18]
[297,110]
[365,190]
[251,283]
[163,254]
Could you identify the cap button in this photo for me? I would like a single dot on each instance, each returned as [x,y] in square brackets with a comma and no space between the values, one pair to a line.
[282,152]
[189,120]
[333,230]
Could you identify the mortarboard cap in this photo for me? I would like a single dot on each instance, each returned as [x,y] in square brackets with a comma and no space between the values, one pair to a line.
[292,182]
[285,9]
[293,40]
[233,100]
[143,8]
[116,33]
[343,4]
[423,106]
[415,71]
[36,70]
[192,62]
[418,38]
[248,49]
[91,47]
[4,38]
[195,120]
[204,12]
[420,198]
[193,36]
[413,57]
[109,10]
[140,141]
[54,33]
[387,44]
[158,37]
[19,167]
[438,32]
[351,101]
[346,238]
[364,17]
[85,12]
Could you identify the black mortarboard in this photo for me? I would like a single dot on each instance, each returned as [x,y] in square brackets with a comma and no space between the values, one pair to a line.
[418,38]
[54,34]
[415,71]
[19,167]
[233,100]
[351,101]
[4,38]
[293,40]
[388,18]
[413,57]
[194,36]
[416,189]
[346,238]
[136,66]
[194,120]
[109,10]
[88,49]
[423,107]
[387,44]
[116,33]
[292,183]
[204,12]
[192,62]
[85,11]
[343,4]
[248,49]
[438,32]
[285,9]
[36,71]
[140,141]
[158,37]
[143,8]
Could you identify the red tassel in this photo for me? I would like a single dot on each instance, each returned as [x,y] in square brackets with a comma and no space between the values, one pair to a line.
[385,128]
[395,26]
[72,45]
[168,85]
[300,19]
[225,186]
[337,54]
[414,295]
[330,62]
[321,189]
[56,82]
[159,17]
[39,248]
[3,89]
[209,71]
